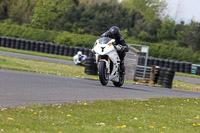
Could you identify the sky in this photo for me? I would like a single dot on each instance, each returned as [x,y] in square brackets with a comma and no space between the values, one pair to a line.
[183,10]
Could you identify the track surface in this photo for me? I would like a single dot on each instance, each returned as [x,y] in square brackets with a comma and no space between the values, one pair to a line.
[22,88]
[185,79]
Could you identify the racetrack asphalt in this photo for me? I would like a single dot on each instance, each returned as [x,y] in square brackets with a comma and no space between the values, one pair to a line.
[24,88]
[185,79]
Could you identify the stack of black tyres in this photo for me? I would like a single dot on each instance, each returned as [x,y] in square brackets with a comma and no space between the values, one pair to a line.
[12,43]
[27,44]
[188,67]
[161,63]
[171,65]
[47,48]
[91,66]
[182,67]
[37,46]
[61,50]
[156,62]
[51,49]
[32,45]
[8,42]
[166,76]
[176,66]
[71,51]
[161,75]
[66,50]
[3,41]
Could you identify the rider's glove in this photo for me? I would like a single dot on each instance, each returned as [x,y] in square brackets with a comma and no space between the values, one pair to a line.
[119,47]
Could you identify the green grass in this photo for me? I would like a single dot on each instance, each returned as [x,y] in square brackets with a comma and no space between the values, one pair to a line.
[35,53]
[167,115]
[177,84]
[28,65]
[187,75]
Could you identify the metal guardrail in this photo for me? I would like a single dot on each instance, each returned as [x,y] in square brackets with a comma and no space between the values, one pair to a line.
[141,70]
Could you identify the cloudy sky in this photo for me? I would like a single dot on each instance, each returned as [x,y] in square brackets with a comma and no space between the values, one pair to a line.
[183,9]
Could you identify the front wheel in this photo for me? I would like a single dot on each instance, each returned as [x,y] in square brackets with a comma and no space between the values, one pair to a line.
[121,81]
[103,75]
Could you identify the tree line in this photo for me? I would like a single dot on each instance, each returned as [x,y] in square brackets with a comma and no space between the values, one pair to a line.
[138,19]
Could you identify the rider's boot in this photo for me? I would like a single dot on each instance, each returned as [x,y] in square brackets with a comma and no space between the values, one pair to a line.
[122,68]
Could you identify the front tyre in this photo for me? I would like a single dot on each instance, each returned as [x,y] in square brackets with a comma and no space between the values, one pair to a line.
[103,76]
[121,81]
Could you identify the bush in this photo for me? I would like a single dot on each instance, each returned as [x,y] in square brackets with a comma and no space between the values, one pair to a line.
[170,52]
[63,38]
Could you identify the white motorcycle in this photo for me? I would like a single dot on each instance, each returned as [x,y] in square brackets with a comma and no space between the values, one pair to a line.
[108,61]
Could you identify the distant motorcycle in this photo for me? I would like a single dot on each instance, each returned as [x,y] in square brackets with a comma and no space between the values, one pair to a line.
[108,61]
[79,58]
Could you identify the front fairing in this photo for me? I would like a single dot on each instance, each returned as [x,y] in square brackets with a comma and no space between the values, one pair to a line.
[104,49]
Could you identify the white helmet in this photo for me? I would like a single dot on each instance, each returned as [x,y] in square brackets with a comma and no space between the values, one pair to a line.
[79,53]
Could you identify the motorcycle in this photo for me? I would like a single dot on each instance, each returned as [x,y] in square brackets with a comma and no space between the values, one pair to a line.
[108,61]
[79,59]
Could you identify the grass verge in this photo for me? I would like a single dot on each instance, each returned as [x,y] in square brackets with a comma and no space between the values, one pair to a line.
[159,115]
[177,84]
[28,65]
[36,53]
[188,75]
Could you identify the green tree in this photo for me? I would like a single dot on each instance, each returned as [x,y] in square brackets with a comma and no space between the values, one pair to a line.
[149,8]
[21,10]
[190,36]
[4,8]
[47,12]
[167,31]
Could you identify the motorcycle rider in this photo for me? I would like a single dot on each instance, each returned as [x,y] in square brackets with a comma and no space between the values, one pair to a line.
[121,46]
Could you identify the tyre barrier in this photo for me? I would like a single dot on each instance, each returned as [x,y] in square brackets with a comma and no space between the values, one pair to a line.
[66,50]
[90,66]
[56,50]
[61,50]
[176,66]
[165,77]
[32,45]
[184,67]
[51,49]
[21,45]
[156,62]
[71,51]
[47,48]
[8,42]
[12,43]
[3,41]
[42,47]
[188,67]
[27,44]
[42,44]
[161,63]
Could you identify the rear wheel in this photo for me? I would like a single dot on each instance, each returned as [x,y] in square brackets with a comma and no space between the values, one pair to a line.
[121,81]
[103,75]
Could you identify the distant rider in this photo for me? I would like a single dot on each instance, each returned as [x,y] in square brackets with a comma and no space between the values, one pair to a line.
[121,46]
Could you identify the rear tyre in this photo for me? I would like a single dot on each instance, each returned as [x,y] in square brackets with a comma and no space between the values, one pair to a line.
[121,81]
[103,76]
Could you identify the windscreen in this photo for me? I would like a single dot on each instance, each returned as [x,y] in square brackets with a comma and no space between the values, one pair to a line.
[104,40]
